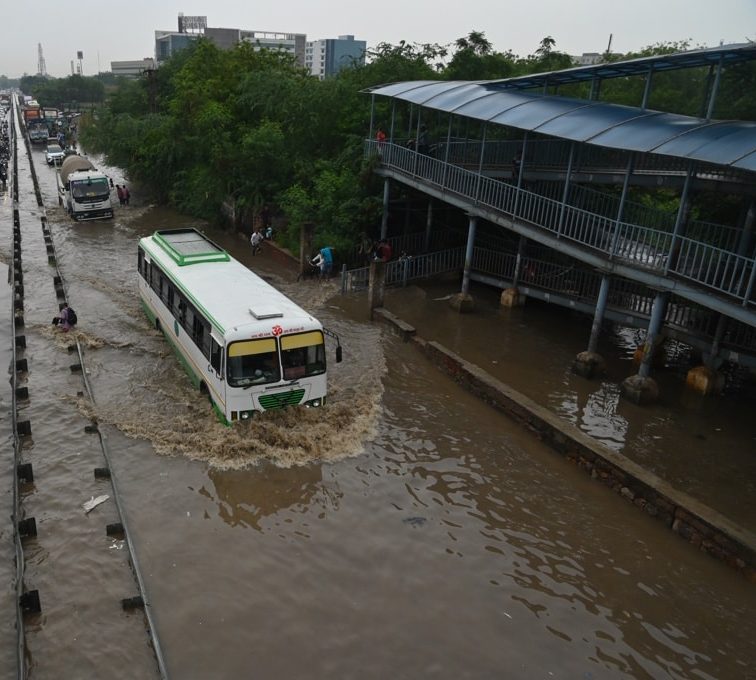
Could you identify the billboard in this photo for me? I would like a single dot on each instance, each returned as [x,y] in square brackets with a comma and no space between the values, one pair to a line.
[189,24]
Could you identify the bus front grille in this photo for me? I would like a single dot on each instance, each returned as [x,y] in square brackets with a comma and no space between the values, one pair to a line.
[273,401]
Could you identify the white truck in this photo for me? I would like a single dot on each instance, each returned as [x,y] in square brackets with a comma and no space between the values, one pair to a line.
[84,190]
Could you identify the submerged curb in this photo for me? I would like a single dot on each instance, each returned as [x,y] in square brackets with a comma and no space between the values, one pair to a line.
[697,523]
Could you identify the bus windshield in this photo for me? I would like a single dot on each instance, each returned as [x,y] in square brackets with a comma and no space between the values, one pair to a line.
[303,355]
[90,190]
[253,362]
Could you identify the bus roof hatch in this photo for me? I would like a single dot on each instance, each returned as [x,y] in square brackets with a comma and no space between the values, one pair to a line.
[265,312]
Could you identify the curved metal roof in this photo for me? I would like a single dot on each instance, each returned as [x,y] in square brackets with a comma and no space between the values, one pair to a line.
[726,143]
[710,56]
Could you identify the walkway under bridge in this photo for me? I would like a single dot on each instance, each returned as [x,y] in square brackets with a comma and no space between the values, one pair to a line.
[568,285]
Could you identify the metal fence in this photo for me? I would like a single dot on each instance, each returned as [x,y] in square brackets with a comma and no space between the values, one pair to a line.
[715,268]
[405,269]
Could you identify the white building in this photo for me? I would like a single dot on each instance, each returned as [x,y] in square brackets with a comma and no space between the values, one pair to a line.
[132,68]
[291,43]
[588,59]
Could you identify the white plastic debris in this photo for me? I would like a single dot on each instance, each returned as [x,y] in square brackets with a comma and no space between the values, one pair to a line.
[93,502]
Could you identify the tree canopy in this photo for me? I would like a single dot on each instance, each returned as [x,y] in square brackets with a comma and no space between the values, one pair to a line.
[251,126]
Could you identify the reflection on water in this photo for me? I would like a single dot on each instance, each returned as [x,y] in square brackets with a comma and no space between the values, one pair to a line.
[703,446]
[245,498]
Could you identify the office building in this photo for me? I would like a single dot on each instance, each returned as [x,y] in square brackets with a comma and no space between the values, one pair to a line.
[327,57]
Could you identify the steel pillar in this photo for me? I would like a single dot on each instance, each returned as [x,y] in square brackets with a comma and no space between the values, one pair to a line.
[658,311]
[428,225]
[480,162]
[621,209]
[680,221]
[520,173]
[518,262]
[566,191]
[469,254]
[598,315]
[384,216]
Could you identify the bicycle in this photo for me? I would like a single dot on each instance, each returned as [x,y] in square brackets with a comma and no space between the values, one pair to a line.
[312,271]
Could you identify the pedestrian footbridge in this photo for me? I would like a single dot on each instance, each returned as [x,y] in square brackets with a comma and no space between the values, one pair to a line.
[577,180]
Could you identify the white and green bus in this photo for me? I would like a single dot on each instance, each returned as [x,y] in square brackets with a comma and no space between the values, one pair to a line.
[243,343]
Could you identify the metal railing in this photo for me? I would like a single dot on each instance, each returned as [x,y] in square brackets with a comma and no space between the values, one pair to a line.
[723,271]
[402,270]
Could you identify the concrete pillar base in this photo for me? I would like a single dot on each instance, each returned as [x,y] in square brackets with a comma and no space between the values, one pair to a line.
[589,364]
[462,302]
[640,390]
[511,297]
[658,358]
[704,380]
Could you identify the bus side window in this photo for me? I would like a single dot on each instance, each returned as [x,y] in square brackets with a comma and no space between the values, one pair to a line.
[181,311]
[198,333]
[155,279]
[215,356]
[170,296]
[140,262]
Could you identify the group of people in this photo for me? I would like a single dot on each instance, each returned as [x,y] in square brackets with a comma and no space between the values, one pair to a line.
[258,236]
[123,193]
[264,230]
[372,251]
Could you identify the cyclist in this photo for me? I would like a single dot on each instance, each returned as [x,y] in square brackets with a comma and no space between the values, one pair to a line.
[324,261]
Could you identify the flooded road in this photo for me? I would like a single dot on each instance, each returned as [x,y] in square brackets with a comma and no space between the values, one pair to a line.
[406,530]
[703,446]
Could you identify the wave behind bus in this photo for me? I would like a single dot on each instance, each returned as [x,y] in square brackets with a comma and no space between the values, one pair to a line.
[244,344]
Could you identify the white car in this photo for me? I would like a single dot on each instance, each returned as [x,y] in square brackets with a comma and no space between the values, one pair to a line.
[54,154]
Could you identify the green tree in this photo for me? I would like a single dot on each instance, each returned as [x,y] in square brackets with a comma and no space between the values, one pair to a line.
[475,59]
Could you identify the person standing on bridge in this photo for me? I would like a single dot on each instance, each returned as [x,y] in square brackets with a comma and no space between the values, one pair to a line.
[119,191]
[126,195]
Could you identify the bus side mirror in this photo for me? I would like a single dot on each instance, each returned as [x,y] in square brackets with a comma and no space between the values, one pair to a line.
[338,354]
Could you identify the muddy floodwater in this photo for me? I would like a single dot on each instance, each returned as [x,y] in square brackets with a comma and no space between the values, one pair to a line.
[406,530]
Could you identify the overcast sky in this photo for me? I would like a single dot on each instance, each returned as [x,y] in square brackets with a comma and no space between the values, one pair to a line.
[117,31]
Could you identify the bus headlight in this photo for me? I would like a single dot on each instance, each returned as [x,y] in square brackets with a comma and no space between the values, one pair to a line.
[314,403]
[245,415]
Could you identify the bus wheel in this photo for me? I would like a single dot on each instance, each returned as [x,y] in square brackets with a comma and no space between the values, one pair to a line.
[157,324]
[204,391]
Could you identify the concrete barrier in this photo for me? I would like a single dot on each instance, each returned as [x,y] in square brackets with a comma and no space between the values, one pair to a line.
[694,521]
